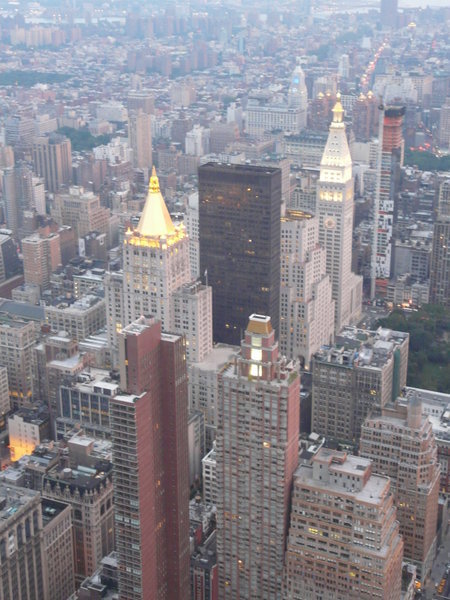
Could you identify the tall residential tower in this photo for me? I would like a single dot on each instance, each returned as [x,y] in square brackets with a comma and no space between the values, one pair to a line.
[150,464]
[257,454]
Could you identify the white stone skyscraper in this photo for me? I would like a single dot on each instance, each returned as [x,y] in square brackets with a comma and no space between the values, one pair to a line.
[306,304]
[257,454]
[155,261]
[298,94]
[335,209]
[156,266]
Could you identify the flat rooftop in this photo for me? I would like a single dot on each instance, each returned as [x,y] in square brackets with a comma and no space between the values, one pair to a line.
[84,478]
[362,348]
[219,356]
[12,499]
[29,312]
[238,169]
[51,509]
[372,493]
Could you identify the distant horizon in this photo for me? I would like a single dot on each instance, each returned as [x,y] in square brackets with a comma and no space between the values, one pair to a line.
[422,3]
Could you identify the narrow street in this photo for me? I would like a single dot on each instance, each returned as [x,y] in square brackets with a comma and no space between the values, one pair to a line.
[438,570]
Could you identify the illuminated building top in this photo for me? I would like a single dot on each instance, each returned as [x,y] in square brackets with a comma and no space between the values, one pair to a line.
[336,163]
[155,224]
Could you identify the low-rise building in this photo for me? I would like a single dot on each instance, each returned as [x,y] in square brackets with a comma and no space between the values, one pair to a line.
[27,429]
[84,402]
[80,319]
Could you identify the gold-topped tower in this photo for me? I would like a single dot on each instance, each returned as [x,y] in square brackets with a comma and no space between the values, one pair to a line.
[155,260]
[338,110]
[335,211]
[155,220]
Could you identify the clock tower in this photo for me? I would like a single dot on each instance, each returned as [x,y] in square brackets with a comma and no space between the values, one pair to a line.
[335,212]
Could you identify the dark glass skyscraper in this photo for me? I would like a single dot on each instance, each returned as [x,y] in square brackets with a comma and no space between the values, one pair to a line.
[239,231]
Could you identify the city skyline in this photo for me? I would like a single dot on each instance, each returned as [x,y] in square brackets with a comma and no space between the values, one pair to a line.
[224,300]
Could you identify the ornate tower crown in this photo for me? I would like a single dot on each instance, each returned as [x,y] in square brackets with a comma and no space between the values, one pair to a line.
[338,110]
[155,220]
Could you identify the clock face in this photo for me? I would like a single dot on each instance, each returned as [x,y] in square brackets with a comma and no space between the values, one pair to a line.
[329,223]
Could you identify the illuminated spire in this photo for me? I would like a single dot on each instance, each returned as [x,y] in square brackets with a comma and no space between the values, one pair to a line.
[336,163]
[338,110]
[155,220]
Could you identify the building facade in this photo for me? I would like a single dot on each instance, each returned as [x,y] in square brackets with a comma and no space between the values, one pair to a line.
[239,229]
[41,256]
[203,387]
[58,549]
[306,306]
[52,158]
[344,541]
[17,338]
[89,491]
[155,261]
[358,375]
[401,445]
[150,458]
[257,454]
[440,254]
[21,549]
[335,210]
[391,161]
[85,316]
[140,138]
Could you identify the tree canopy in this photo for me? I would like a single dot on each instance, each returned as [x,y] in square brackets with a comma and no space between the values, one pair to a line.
[82,139]
[429,349]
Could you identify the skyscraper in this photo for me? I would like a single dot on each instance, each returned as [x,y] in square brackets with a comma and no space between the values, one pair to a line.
[440,254]
[239,231]
[391,160]
[298,94]
[41,256]
[389,13]
[344,541]
[17,192]
[17,339]
[150,458]
[335,210]
[306,307]
[401,445]
[155,261]
[257,454]
[444,125]
[52,157]
[140,138]
[156,280]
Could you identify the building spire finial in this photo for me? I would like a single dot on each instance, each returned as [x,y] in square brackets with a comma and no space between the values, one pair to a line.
[154,182]
[338,110]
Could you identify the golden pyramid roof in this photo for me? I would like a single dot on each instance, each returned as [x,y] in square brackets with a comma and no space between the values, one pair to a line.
[155,220]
